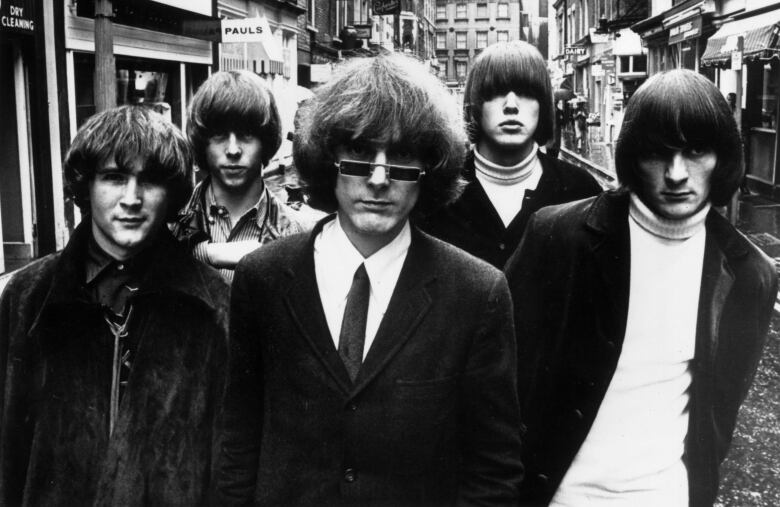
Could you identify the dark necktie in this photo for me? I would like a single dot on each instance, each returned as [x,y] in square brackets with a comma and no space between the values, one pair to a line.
[353,327]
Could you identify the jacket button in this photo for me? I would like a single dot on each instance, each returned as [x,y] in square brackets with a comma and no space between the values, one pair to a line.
[611,345]
[501,246]
[578,413]
[352,407]
[543,478]
[350,475]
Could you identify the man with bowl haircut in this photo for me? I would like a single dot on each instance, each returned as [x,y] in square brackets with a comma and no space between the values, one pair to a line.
[234,128]
[112,351]
[509,112]
[381,369]
[641,314]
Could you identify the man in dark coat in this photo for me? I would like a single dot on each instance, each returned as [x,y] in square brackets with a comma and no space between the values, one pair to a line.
[508,106]
[112,351]
[641,314]
[395,386]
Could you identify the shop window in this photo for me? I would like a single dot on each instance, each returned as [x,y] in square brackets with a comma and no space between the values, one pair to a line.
[460,40]
[502,36]
[481,40]
[460,11]
[443,69]
[503,11]
[482,11]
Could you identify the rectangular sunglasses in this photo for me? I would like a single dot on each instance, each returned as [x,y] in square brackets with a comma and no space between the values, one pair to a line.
[366,169]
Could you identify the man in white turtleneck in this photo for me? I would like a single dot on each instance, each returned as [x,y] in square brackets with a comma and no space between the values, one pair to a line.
[641,314]
[509,112]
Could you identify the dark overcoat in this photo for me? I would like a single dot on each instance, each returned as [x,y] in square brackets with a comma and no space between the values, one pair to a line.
[570,284]
[432,418]
[55,381]
[473,224]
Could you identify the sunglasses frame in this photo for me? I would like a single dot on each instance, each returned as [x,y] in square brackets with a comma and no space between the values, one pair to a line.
[388,170]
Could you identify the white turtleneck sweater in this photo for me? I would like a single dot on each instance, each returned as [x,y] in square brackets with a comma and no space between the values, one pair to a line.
[505,186]
[632,455]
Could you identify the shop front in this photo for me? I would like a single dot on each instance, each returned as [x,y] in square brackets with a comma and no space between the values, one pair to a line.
[760,86]
[26,219]
[156,64]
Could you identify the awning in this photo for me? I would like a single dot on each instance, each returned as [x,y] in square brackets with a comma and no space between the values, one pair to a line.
[760,39]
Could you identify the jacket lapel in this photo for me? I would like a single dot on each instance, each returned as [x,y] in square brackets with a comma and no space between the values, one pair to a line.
[410,302]
[303,301]
[610,248]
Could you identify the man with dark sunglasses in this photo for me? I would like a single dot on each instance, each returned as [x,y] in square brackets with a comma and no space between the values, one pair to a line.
[381,369]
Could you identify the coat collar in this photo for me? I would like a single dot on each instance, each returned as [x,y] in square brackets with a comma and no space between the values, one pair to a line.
[409,303]
[171,269]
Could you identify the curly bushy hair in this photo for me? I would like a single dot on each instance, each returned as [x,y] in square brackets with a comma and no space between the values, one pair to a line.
[389,99]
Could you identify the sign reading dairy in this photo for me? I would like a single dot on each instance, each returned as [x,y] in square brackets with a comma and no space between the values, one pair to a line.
[244,30]
[17,15]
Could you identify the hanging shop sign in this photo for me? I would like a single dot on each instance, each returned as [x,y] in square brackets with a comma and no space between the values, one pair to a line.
[17,16]
[575,50]
[384,7]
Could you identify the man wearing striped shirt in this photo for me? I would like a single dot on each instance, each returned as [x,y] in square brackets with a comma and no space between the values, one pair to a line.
[234,129]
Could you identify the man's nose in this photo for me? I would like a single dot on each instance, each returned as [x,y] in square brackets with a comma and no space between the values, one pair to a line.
[131,196]
[233,148]
[510,103]
[676,169]
[380,175]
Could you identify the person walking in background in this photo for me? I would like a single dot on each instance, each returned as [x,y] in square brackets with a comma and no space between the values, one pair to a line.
[641,314]
[112,351]
[508,107]
[581,128]
[372,364]
[234,129]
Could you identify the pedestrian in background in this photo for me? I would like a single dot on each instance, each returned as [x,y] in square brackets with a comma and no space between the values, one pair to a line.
[112,351]
[641,314]
[509,112]
[372,364]
[234,128]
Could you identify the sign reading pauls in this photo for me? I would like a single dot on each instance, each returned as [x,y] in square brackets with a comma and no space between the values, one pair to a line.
[17,15]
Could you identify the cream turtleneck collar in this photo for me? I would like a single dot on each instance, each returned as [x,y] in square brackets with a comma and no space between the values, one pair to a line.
[664,227]
[507,175]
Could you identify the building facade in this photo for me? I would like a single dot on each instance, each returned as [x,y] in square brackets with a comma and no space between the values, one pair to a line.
[465,28]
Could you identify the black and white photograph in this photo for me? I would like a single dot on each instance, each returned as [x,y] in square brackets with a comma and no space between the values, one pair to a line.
[391,253]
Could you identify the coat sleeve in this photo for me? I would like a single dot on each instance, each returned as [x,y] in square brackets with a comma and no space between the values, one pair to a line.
[15,407]
[237,466]
[492,470]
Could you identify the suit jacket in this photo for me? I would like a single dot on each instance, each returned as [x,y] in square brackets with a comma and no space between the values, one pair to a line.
[55,382]
[570,284]
[432,418]
[473,224]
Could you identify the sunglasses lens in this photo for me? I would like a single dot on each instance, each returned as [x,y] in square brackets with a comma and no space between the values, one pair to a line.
[404,173]
[353,168]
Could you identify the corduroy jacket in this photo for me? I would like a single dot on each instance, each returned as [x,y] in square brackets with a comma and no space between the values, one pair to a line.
[55,382]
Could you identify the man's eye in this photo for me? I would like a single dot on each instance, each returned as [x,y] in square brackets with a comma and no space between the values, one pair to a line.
[695,151]
[113,177]
[358,150]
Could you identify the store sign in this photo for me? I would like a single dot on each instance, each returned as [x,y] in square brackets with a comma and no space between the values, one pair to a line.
[244,30]
[597,70]
[383,7]
[363,31]
[575,50]
[684,31]
[17,15]
[199,6]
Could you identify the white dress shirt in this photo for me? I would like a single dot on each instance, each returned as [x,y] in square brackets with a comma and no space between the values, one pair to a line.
[335,261]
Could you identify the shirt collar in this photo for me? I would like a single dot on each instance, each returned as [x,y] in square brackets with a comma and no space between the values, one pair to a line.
[344,259]
[215,209]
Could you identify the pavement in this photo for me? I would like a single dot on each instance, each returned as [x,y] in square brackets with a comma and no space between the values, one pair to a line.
[757,217]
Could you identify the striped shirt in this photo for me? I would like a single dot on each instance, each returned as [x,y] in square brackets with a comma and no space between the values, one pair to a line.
[266,221]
